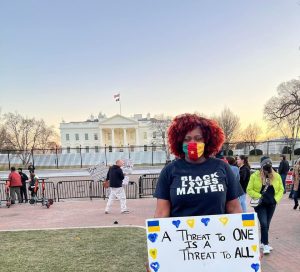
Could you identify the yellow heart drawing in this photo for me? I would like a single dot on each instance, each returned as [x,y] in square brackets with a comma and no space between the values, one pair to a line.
[191,222]
[153,253]
[224,220]
[254,248]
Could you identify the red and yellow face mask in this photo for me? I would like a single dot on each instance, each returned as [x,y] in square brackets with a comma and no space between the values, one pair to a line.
[193,150]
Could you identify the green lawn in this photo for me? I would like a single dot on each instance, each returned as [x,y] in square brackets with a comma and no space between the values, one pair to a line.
[101,250]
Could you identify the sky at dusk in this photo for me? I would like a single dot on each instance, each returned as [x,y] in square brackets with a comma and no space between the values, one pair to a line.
[65,59]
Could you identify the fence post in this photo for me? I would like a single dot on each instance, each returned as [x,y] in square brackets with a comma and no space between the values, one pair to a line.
[80,156]
[105,155]
[8,159]
[32,158]
[56,157]
[152,155]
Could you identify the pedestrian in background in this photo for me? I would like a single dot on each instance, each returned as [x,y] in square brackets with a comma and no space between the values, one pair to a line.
[267,185]
[23,189]
[244,168]
[296,176]
[115,177]
[31,168]
[283,169]
[15,183]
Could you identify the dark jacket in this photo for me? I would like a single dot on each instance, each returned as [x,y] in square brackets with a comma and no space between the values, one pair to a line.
[115,176]
[244,177]
[283,167]
[23,178]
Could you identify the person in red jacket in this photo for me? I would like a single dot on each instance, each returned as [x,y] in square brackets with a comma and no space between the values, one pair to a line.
[15,184]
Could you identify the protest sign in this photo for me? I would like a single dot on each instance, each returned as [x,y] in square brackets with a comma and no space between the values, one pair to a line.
[128,166]
[98,172]
[213,243]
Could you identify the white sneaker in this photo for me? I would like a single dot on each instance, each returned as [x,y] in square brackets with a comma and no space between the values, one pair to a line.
[266,249]
[262,246]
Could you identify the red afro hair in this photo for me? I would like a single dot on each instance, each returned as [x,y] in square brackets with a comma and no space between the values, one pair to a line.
[213,135]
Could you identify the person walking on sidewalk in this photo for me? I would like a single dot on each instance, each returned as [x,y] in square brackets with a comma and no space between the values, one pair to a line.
[115,176]
[267,185]
[283,169]
[15,183]
[296,175]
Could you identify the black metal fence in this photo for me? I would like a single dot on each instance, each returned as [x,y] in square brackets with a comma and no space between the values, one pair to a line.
[48,193]
[147,185]
[90,189]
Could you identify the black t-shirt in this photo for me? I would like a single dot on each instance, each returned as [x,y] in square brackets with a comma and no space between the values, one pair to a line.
[197,189]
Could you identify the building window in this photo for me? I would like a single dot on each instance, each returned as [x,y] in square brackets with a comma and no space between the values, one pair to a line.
[87,149]
[77,137]
[86,136]
[96,149]
[67,137]
[68,148]
[132,148]
[77,149]
[145,135]
[154,134]
[95,136]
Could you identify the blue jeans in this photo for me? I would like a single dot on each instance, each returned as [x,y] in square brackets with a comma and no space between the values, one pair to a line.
[242,200]
[264,214]
[283,178]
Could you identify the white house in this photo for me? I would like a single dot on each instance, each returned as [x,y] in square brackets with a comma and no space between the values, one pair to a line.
[116,131]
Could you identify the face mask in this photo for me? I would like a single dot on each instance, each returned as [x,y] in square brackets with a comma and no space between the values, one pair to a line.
[267,168]
[193,151]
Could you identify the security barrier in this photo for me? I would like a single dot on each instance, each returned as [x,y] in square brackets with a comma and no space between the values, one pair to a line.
[147,184]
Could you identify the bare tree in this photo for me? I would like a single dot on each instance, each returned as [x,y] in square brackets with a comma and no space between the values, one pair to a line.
[283,111]
[159,126]
[230,124]
[25,134]
[286,103]
[250,135]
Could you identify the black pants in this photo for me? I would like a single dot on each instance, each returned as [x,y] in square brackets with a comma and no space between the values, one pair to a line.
[265,214]
[23,192]
[295,196]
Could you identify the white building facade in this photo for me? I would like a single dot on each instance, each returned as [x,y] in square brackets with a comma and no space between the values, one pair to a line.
[95,134]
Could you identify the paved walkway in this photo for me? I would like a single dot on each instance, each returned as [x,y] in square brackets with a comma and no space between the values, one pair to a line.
[284,232]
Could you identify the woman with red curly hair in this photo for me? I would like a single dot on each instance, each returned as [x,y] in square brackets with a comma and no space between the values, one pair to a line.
[196,183]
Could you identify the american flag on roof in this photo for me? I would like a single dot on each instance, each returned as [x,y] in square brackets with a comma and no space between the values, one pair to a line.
[117,97]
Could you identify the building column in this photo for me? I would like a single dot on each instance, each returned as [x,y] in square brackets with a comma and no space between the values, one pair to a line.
[137,140]
[101,137]
[125,136]
[112,137]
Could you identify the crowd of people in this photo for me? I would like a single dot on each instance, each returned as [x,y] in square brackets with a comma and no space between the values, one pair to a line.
[16,184]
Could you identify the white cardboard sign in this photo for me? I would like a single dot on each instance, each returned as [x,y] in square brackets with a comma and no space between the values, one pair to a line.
[227,242]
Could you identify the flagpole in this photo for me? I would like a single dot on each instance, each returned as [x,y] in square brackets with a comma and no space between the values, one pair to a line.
[120,105]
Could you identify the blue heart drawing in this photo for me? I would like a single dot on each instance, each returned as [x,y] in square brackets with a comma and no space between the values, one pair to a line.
[205,221]
[176,223]
[255,266]
[155,266]
[152,237]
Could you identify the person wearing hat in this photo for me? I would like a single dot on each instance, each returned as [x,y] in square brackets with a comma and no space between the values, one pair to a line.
[267,185]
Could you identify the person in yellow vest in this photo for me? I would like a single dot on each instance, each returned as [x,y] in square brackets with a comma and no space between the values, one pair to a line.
[267,185]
